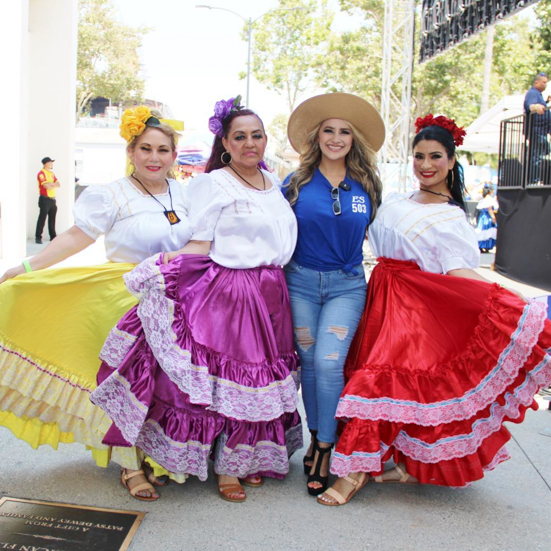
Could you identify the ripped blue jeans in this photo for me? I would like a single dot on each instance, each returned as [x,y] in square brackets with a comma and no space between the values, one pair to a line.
[326,307]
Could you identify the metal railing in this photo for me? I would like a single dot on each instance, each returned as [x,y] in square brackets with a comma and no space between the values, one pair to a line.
[524,149]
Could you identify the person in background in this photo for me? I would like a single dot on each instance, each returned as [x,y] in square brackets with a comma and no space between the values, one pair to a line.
[47,186]
[486,219]
[538,127]
[335,193]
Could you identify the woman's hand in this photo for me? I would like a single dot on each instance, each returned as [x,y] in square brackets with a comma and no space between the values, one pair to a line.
[12,272]
[66,244]
[167,257]
[193,247]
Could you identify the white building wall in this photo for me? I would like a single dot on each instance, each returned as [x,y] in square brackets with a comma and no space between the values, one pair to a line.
[101,155]
[52,38]
[13,139]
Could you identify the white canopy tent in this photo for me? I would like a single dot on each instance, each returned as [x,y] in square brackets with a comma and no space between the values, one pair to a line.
[483,133]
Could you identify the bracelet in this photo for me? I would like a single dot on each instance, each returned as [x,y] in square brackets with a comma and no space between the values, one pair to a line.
[27,266]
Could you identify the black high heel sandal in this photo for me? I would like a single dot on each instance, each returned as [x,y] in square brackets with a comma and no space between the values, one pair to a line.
[316,476]
[308,458]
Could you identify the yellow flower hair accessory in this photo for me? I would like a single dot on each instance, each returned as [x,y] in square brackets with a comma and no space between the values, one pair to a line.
[134,120]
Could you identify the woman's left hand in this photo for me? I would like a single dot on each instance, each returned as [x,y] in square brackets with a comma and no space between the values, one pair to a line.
[12,272]
[167,257]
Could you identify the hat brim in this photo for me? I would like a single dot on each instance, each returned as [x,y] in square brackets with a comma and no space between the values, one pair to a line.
[357,111]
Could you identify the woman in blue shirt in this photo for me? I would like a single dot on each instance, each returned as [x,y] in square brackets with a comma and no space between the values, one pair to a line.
[335,193]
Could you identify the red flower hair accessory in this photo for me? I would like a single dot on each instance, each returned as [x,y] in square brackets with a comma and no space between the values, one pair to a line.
[458,133]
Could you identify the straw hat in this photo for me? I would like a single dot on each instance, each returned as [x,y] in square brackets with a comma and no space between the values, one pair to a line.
[351,108]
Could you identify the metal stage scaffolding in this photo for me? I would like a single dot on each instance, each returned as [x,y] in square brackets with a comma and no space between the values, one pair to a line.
[396,88]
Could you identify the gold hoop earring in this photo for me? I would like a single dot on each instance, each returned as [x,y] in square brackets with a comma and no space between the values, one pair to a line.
[450,183]
[224,159]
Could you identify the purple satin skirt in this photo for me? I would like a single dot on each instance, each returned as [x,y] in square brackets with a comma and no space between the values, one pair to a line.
[204,366]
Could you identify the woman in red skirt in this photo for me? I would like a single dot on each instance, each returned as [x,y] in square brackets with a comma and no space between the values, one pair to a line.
[442,357]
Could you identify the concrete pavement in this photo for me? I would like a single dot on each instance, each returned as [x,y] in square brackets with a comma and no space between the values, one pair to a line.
[509,510]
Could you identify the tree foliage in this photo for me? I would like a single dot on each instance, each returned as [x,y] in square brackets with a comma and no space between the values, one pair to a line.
[543,33]
[278,132]
[107,62]
[451,83]
[353,60]
[287,44]
[292,49]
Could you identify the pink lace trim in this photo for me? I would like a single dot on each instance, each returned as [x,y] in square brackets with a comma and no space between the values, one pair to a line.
[226,397]
[116,347]
[293,439]
[358,462]
[501,456]
[457,446]
[115,398]
[406,411]
[192,457]
[138,280]
[462,445]
[265,456]
[187,458]
[369,463]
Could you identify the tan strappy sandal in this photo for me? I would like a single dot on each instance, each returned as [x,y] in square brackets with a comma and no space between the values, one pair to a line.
[159,481]
[405,478]
[226,489]
[252,481]
[338,497]
[139,487]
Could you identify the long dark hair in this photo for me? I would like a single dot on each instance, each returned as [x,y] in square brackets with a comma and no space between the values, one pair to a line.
[215,160]
[456,179]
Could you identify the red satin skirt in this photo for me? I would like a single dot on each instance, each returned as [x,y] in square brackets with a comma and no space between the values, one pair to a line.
[437,365]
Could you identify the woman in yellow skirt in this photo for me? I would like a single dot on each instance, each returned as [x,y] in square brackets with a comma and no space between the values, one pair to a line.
[53,323]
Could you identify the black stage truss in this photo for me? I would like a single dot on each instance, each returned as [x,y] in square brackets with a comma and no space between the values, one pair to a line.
[446,23]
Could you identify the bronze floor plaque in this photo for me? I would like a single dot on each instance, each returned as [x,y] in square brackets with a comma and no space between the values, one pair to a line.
[27,525]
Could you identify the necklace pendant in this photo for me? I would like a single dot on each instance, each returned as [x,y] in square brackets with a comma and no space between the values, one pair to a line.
[172,217]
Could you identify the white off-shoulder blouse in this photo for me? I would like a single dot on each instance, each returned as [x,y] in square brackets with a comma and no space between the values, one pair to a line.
[133,223]
[436,236]
[247,228]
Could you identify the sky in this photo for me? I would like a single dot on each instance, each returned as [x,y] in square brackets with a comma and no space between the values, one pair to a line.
[192,57]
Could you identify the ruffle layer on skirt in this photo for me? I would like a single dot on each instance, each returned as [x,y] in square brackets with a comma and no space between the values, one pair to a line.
[171,391]
[52,326]
[438,364]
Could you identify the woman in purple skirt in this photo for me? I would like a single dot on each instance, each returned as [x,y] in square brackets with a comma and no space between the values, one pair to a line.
[204,366]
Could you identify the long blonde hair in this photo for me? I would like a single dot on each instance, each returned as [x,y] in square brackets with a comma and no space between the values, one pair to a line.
[361,166]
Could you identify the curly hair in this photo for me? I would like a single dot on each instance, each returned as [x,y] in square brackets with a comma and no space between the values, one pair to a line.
[361,166]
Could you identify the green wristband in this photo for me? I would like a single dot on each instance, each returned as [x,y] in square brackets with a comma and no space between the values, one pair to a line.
[27,266]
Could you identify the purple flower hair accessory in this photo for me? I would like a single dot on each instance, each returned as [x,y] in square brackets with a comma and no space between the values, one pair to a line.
[222,109]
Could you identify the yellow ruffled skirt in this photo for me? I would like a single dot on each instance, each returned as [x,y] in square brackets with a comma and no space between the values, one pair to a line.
[53,324]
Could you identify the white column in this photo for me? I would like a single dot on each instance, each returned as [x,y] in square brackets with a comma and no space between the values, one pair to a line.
[13,139]
[51,107]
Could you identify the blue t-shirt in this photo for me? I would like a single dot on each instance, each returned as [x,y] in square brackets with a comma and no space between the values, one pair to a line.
[532,97]
[327,242]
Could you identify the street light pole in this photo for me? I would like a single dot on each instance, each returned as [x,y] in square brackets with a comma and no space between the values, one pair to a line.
[249,62]
[250,22]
